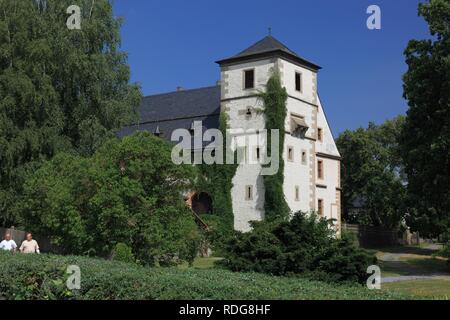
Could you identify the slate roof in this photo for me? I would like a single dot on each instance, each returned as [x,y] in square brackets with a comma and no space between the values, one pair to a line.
[178,110]
[268,46]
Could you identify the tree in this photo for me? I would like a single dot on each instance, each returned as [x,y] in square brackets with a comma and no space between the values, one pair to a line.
[60,89]
[129,192]
[372,174]
[425,140]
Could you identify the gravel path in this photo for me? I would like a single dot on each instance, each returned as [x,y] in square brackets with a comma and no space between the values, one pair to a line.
[397,258]
[411,278]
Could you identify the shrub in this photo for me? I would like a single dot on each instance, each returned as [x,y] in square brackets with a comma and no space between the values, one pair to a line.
[33,277]
[129,191]
[304,245]
[446,253]
[216,237]
[123,253]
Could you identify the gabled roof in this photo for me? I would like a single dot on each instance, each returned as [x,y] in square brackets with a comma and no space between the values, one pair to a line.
[267,47]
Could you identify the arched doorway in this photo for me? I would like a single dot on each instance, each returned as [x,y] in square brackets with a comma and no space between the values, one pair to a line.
[201,203]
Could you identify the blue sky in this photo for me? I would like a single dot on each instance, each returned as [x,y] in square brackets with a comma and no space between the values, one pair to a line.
[175,43]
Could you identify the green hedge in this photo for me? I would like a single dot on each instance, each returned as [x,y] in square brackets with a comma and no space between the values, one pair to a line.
[43,277]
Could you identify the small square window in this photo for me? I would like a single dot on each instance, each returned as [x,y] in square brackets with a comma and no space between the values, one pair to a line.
[304,157]
[248,193]
[320,134]
[249,79]
[297,193]
[298,81]
[290,154]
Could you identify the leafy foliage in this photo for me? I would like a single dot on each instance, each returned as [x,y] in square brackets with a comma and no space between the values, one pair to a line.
[372,175]
[217,181]
[123,253]
[26,277]
[446,252]
[275,110]
[426,136]
[303,245]
[60,89]
[129,192]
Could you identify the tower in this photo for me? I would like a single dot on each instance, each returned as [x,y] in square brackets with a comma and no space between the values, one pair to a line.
[312,161]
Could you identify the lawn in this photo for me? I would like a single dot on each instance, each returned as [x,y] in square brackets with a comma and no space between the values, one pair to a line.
[401,262]
[201,263]
[422,289]
[44,277]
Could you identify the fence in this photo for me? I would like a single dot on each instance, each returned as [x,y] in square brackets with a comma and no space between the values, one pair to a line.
[19,236]
[372,236]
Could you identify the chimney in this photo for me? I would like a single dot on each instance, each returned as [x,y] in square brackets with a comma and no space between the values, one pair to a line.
[180,89]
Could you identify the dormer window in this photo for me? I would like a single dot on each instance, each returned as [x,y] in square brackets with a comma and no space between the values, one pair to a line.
[192,128]
[249,79]
[157,132]
[299,127]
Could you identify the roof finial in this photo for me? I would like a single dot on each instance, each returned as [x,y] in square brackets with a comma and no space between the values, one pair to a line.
[270,31]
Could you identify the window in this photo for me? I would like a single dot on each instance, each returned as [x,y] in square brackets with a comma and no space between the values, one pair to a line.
[320,134]
[299,127]
[157,132]
[258,153]
[246,154]
[320,207]
[304,156]
[297,193]
[320,174]
[249,193]
[290,154]
[249,79]
[249,112]
[298,81]
[192,129]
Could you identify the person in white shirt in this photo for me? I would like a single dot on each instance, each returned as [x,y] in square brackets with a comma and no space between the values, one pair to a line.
[29,245]
[8,244]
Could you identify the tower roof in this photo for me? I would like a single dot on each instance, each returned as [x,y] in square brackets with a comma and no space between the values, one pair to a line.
[267,47]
